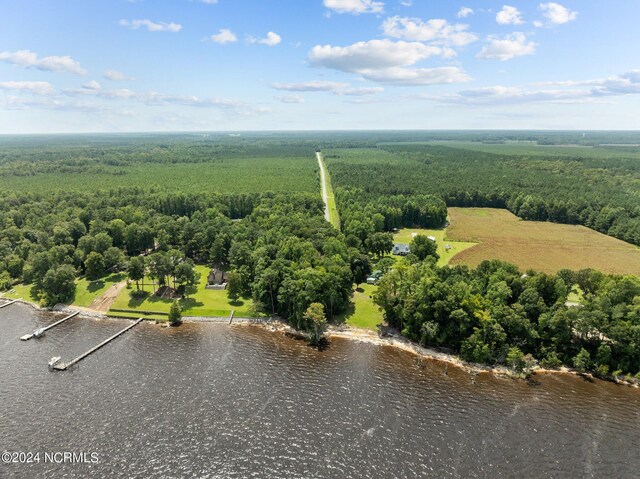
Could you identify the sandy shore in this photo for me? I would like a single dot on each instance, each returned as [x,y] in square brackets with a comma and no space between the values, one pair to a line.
[344,332]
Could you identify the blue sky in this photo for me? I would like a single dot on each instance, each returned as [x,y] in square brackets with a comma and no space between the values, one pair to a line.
[184,65]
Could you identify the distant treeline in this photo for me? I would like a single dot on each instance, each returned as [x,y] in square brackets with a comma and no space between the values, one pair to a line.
[601,193]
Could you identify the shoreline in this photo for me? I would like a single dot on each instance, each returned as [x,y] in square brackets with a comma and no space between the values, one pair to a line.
[349,333]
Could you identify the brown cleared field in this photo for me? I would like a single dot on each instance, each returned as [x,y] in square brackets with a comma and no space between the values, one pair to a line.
[542,246]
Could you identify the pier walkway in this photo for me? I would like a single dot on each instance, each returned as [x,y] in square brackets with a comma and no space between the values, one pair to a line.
[58,366]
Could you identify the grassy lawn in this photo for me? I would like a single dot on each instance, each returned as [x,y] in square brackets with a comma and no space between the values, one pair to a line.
[87,291]
[362,313]
[204,302]
[406,235]
[20,291]
[542,246]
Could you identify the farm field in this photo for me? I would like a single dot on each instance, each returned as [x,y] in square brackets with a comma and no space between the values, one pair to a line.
[205,302]
[542,246]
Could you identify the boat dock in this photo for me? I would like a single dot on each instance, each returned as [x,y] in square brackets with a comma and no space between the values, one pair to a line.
[231,316]
[38,333]
[58,366]
[9,303]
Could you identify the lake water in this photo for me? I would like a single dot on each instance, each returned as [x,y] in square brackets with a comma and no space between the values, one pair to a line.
[218,401]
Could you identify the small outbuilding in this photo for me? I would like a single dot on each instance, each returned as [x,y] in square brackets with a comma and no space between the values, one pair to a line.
[432,238]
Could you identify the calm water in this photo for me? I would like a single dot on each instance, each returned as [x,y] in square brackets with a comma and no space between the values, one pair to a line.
[208,400]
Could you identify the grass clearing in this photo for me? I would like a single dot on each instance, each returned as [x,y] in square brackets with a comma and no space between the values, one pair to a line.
[406,235]
[362,313]
[20,291]
[541,246]
[87,291]
[205,302]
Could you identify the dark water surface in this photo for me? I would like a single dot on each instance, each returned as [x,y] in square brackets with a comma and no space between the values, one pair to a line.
[209,400]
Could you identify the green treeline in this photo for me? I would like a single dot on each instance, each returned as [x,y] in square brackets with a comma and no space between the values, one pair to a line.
[497,315]
[364,214]
[598,192]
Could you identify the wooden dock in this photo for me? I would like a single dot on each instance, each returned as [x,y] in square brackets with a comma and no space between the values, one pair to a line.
[231,315]
[64,366]
[9,303]
[39,332]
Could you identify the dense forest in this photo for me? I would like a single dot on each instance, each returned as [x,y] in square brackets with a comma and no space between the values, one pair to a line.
[279,246]
[600,192]
[497,315]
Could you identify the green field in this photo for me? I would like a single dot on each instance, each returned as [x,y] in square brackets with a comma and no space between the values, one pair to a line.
[362,313]
[205,302]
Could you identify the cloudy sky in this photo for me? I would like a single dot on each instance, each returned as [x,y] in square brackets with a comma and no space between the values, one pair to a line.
[175,65]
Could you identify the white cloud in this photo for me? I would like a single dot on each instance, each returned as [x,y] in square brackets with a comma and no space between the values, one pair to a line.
[556,14]
[223,36]
[417,76]
[507,47]
[374,54]
[509,16]
[337,88]
[291,98]
[35,87]
[29,59]
[464,12]
[92,85]
[271,40]
[360,91]
[565,92]
[406,3]
[316,85]
[387,61]
[209,2]
[115,75]
[151,26]
[496,95]
[437,31]
[355,7]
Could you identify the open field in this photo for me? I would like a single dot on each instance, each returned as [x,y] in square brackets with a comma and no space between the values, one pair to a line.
[204,302]
[362,313]
[442,239]
[542,246]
